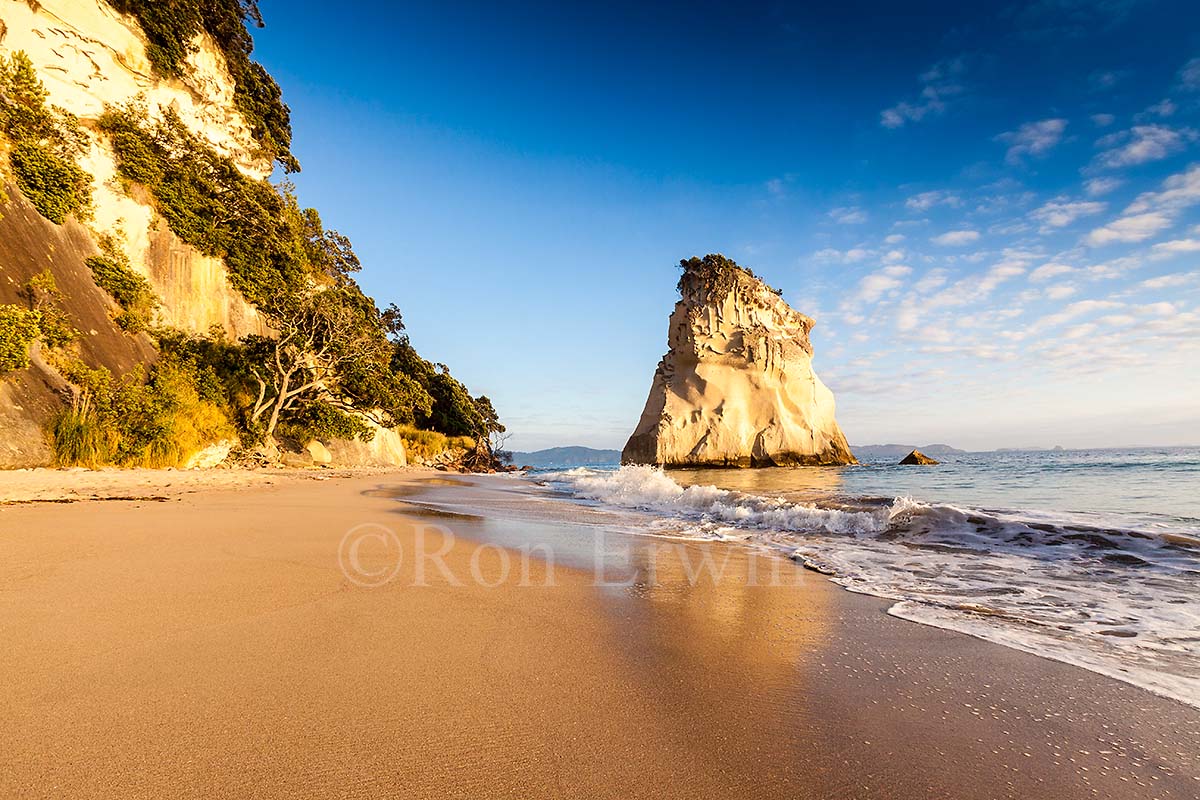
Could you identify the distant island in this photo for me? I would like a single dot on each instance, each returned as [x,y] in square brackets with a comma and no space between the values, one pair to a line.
[567,457]
[901,450]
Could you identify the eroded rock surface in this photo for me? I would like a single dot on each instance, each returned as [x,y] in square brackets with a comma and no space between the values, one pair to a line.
[736,387]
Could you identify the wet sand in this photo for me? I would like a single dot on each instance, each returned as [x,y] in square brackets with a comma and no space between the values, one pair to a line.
[225,644]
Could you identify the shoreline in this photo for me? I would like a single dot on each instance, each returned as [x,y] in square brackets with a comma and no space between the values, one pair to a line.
[161,651]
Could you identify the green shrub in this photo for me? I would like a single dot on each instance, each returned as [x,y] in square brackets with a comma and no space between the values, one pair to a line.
[19,328]
[212,206]
[430,444]
[115,276]
[44,297]
[132,292]
[46,142]
[320,420]
[80,439]
[134,423]
[171,28]
[55,186]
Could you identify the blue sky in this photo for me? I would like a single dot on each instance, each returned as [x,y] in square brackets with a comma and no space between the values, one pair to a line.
[992,210]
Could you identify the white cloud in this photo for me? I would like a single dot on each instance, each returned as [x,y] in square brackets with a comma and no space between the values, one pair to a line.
[872,287]
[1189,76]
[1073,311]
[908,316]
[1152,212]
[927,200]
[1163,309]
[848,215]
[1132,228]
[1171,281]
[931,280]
[1116,320]
[1179,191]
[1079,331]
[1176,246]
[1000,273]
[1059,214]
[938,83]
[1103,80]
[894,238]
[1032,139]
[1061,291]
[1142,144]
[1163,108]
[894,255]
[851,256]
[956,238]
[974,288]
[1100,186]
[1103,120]
[1047,271]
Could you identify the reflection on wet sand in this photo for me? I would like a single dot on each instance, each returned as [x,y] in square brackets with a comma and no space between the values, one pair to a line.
[710,640]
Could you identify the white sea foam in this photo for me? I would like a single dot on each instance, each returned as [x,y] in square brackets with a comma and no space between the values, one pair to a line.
[650,489]
[1120,602]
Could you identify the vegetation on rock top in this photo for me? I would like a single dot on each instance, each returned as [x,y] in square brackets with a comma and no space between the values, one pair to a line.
[715,276]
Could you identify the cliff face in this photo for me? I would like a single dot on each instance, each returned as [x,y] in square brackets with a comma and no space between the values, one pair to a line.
[736,387]
[89,56]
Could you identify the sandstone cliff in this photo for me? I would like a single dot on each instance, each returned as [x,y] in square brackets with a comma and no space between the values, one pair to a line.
[736,387]
[89,58]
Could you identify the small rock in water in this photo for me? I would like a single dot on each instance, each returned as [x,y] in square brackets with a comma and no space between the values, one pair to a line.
[917,457]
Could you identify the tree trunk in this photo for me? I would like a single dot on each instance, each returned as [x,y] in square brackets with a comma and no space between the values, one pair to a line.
[277,408]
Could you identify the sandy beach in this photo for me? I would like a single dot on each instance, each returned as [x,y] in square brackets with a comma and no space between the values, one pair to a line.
[229,641]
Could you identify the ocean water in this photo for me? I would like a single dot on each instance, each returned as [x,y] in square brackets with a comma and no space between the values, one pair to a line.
[1091,557]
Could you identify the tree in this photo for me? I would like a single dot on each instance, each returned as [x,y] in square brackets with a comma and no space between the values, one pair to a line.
[319,335]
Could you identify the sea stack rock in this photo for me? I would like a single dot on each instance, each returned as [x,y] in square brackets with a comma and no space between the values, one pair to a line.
[736,387]
[917,457]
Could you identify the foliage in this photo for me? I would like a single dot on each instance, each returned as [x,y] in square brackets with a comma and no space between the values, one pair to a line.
[56,187]
[223,373]
[161,422]
[132,292]
[421,443]
[714,275]
[44,297]
[333,347]
[324,421]
[171,27]
[44,320]
[80,439]
[46,142]
[212,206]
[451,409]
[19,328]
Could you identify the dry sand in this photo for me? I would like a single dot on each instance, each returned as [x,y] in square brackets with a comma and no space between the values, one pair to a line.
[210,645]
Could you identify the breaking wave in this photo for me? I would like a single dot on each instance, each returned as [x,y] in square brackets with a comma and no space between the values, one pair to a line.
[1115,600]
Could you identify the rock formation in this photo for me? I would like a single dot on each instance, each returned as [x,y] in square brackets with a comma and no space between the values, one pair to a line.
[916,457]
[736,387]
[89,58]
